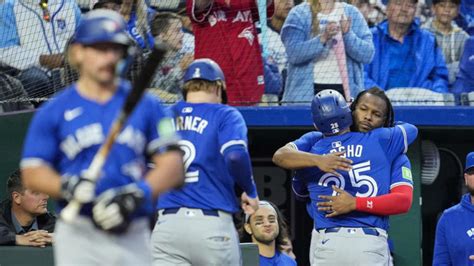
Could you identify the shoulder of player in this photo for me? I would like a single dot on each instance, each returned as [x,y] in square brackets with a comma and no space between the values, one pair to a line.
[287,259]
[57,104]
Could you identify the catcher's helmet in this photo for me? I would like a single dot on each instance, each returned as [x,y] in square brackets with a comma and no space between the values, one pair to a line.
[205,69]
[331,113]
[100,26]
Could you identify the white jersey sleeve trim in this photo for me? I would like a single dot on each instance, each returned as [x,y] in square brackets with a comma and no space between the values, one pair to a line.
[405,140]
[292,144]
[231,143]
[33,162]
[297,194]
[397,184]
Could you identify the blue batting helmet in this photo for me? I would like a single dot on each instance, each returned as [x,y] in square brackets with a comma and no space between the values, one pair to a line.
[331,113]
[205,69]
[101,25]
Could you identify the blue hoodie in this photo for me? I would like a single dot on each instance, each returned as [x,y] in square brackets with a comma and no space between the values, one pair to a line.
[455,235]
[430,67]
[303,49]
[465,78]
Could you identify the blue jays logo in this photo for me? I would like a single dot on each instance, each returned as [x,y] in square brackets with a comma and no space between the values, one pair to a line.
[197,73]
[247,34]
[61,23]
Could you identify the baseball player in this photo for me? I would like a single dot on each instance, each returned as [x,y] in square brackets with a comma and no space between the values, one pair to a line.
[371,154]
[268,229]
[66,133]
[225,32]
[195,225]
[371,109]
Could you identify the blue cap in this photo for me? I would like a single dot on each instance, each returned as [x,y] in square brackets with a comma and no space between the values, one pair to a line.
[469,161]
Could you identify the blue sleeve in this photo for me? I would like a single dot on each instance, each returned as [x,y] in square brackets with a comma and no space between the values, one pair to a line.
[441,252]
[300,48]
[273,80]
[300,190]
[232,129]
[42,143]
[438,77]
[160,130]
[237,160]
[401,172]
[358,40]
[8,33]
[77,14]
[397,139]
[306,142]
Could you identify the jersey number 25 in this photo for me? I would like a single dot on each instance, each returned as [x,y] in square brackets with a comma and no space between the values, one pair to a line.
[357,178]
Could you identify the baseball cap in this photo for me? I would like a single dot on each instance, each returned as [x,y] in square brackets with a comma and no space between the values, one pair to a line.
[469,161]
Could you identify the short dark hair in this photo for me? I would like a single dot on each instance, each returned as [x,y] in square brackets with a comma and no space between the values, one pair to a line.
[101,3]
[161,22]
[456,2]
[283,235]
[14,183]
[376,91]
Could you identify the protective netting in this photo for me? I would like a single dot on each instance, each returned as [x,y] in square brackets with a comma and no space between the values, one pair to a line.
[417,53]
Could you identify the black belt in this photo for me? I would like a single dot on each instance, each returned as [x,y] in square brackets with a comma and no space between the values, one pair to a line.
[366,230]
[204,212]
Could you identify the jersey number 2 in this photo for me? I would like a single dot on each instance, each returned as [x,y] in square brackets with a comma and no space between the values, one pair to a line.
[188,158]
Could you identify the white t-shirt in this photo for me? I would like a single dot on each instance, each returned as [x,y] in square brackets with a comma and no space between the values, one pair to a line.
[325,69]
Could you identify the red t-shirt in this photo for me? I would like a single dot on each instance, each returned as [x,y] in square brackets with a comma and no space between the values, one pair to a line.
[227,35]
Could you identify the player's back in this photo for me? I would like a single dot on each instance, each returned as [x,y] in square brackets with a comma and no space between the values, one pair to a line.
[372,155]
[206,130]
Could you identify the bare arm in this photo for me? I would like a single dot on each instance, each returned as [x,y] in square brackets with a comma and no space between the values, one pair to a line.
[168,172]
[290,158]
[42,179]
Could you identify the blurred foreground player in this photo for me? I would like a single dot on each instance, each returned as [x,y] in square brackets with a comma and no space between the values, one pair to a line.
[66,133]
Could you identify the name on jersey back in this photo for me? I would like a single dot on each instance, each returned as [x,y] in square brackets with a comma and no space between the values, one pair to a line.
[193,123]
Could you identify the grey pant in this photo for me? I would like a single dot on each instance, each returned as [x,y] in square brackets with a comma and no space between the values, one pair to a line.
[189,237]
[351,246]
[81,243]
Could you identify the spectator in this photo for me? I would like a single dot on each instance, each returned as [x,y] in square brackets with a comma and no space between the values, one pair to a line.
[13,93]
[32,41]
[136,13]
[225,32]
[466,16]
[448,35]
[166,28]
[405,55]
[188,38]
[313,63]
[276,49]
[267,228]
[273,83]
[465,78]
[24,219]
[455,230]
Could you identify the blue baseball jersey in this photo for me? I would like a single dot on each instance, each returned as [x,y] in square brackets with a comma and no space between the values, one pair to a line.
[67,132]
[372,155]
[454,241]
[207,130]
[400,169]
[279,259]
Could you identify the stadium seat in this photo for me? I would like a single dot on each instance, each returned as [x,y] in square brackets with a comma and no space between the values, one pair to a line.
[420,96]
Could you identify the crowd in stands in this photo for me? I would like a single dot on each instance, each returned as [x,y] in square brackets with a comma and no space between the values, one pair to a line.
[304,46]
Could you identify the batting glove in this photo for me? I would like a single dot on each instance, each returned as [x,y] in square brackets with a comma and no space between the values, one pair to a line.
[77,188]
[113,208]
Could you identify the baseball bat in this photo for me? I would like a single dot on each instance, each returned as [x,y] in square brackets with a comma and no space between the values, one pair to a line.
[70,212]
